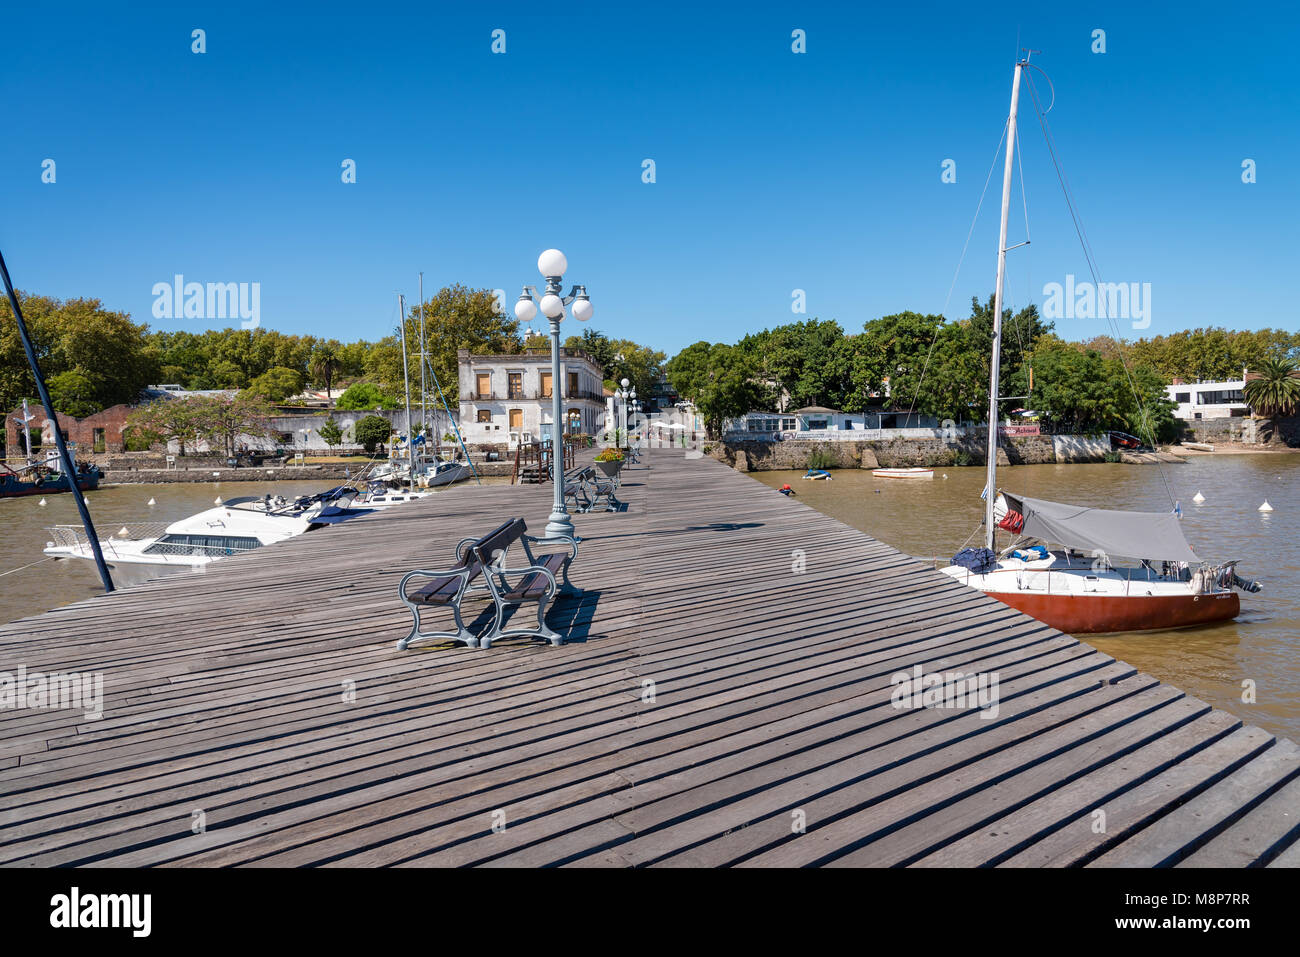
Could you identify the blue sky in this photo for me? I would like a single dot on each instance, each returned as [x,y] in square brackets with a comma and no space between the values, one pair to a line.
[775,171]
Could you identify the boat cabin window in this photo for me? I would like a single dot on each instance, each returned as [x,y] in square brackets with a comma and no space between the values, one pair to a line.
[182,544]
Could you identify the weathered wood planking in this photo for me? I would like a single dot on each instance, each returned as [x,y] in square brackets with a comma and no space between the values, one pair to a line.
[720,704]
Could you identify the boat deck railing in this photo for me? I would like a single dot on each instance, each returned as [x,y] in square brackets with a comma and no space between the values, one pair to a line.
[73,537]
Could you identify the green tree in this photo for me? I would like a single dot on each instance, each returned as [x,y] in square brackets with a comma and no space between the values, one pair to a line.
[226,374]
[365,395]
[277,384]
[167,419]
[721,380]
[106,349]
[1083,390]
[325,362]
[455,318]
[73,393]
[794,359]
[223,420]
[1273,388]
[371,431]
[331,433]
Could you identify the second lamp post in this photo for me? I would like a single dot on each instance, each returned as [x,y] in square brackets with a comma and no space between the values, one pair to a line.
[630,406]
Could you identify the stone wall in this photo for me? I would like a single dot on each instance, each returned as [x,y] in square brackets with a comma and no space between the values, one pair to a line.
[757,456]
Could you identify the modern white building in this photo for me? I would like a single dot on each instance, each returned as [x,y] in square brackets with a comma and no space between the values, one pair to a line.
[506,399]
[1209,400]
[816,419]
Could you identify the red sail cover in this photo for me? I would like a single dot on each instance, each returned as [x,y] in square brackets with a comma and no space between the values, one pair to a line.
[1014,520]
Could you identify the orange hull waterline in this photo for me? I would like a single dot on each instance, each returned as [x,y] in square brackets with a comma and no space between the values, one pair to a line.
[1094,614]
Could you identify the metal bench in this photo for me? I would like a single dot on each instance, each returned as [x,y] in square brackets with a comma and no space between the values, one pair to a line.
[576,492]
[481,567]
[601,488]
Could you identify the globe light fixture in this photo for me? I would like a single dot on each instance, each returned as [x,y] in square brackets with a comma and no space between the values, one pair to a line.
[582,308]
[525,308]
[552,263]
[552,306]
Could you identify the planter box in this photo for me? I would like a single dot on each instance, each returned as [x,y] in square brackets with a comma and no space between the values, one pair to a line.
[611,469]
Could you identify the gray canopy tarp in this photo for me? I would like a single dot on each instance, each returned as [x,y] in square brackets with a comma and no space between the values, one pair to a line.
[1153,535]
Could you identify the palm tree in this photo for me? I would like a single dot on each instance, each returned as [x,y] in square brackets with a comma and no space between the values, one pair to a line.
[1274,389]
[324,363]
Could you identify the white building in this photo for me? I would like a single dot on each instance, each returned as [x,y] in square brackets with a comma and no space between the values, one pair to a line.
[814,419]
[507,398]
[1209,400]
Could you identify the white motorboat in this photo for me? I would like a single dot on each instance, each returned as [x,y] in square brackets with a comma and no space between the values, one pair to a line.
[239,525]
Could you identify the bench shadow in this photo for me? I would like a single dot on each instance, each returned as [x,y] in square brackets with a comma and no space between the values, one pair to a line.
[714,527]
[572,615]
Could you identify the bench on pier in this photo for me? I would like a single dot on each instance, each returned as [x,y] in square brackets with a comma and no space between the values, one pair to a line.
[481,567]
[576,492]
[587,488]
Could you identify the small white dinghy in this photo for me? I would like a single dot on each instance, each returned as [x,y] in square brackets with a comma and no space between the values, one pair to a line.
[912,473]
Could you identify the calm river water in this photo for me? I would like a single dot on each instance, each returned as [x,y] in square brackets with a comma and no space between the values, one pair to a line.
[935,518]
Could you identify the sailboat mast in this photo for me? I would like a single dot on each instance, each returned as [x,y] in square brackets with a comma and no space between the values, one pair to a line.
[991,484]
[406,388]
[424,415]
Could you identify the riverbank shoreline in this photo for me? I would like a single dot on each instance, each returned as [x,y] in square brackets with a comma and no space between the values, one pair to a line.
[765,455]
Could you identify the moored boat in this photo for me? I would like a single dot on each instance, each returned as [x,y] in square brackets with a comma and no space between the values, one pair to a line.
[908,473]
[43,480]
[1078,587]
[238,525]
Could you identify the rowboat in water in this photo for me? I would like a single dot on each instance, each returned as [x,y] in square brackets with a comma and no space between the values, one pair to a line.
[912,473]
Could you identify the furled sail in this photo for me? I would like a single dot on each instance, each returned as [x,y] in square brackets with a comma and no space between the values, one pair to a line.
[1152,535]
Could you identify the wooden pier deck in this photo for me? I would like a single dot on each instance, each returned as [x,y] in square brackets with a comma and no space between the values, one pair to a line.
[719,706]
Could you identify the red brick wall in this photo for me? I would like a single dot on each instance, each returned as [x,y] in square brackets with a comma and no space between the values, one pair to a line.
[82,431]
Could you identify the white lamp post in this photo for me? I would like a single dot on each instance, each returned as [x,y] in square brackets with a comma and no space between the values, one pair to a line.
[552,265]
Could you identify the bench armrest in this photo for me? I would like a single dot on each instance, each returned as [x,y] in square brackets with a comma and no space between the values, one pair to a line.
[460,545]
[530,570]
[461,573]
[528,540]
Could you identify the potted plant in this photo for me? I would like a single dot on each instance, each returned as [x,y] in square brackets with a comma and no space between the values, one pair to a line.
[610,461]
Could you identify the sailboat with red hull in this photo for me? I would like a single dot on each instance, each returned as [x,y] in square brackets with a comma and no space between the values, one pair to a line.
[1065,565]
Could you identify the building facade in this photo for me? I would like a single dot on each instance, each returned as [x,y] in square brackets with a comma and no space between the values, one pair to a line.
[1209,400]
[814,420]
[506,399]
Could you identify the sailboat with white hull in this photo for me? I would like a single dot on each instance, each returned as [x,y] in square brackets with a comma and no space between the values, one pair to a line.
[1075,586]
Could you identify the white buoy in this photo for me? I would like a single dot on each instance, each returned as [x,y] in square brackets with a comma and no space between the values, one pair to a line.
[41,503]
[1198,498]
[152,502]
[217,500]
[1266,507]
[123,532]
[945,474]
